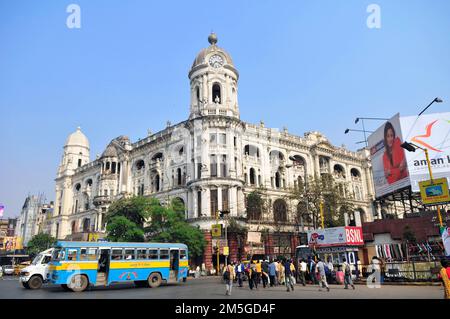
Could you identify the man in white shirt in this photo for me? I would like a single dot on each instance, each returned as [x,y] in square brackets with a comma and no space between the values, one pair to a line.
[302,272]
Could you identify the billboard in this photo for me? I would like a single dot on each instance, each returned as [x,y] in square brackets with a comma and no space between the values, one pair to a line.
[430,131]
[336,236]
[395,168]
[389,162]
[434,193]
[12,243]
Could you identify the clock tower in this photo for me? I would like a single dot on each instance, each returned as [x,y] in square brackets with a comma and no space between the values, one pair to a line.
[213,82]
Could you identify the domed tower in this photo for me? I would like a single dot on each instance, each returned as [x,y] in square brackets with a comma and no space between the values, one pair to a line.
[76,153]
[213,80]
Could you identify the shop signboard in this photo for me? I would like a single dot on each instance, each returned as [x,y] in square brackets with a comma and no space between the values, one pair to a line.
[216,230]
[435,192]
[254,237]
[336,236]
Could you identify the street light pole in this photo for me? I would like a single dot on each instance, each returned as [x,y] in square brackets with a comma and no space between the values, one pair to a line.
[411,147]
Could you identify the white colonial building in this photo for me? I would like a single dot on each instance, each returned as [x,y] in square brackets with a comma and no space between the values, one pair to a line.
[211,162]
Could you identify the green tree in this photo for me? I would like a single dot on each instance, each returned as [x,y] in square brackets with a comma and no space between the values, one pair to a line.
[126,217]
[167,224]
[324,189]
[39,243]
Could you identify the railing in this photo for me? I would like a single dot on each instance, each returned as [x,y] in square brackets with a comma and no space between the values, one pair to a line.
[405,271]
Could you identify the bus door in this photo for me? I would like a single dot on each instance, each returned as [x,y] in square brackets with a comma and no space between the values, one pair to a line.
[174,264]
[103,265]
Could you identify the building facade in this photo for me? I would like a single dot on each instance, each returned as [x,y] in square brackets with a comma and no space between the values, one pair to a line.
[211,162]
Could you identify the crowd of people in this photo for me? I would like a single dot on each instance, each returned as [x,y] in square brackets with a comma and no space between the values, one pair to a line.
[283,272]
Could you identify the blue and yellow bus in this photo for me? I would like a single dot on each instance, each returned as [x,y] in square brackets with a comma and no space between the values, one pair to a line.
[76,265]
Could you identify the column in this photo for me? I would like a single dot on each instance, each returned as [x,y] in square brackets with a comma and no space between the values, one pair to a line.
[194,203]
[207,253]
[205,202]
[232,194]
[234,247]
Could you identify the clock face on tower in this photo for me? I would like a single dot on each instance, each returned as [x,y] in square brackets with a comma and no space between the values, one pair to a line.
[216,61]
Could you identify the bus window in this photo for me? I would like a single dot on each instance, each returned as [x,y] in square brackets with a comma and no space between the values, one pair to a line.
[88,254]
[153,254]
[129,254]
[72,254]
[163,254]
[183,254]
[58,254]
[116,254]
[142,254]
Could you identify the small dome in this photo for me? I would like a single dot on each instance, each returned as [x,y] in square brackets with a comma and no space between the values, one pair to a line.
[110,151]
[77,138]
[213,48]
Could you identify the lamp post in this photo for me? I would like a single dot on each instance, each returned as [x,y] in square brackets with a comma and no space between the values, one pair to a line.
[411,147]
[363,130]
[224,214]
[436,99]
[218,246]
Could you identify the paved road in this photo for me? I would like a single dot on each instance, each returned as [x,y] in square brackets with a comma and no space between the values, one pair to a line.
[211,288]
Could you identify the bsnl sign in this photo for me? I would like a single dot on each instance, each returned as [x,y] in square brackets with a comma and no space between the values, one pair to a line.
[336,236]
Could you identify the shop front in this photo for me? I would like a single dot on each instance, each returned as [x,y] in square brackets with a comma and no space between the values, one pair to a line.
[337,243]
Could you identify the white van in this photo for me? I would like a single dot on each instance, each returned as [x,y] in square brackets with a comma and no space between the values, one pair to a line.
[33,276]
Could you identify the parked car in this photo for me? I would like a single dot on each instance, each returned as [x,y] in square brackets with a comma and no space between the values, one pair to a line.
[8,270]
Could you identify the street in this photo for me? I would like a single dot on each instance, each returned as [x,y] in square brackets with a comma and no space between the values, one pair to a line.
[211,288]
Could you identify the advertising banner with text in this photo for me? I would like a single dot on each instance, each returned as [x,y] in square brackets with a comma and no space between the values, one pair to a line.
[336,236]
[430,131]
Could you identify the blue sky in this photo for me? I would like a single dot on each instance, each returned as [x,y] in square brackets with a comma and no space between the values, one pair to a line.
[307,65]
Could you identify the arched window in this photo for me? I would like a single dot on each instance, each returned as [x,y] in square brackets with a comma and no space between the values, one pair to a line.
[157,181]
[140,165]
[251,150]
[252,176]
[158,157]
[277,180]
[216,94]
[78,187]
[89,182]
[355,173]
[338,171]
[197,93]
[178,176]
[279,211]
[73,227]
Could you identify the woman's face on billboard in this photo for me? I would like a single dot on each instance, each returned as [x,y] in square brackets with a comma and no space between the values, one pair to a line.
[390,137]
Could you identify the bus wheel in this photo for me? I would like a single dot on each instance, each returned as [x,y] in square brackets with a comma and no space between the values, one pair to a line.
[35,282]
[25,285]
[78,283]
[141,283]
[65,287]
[154,280]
